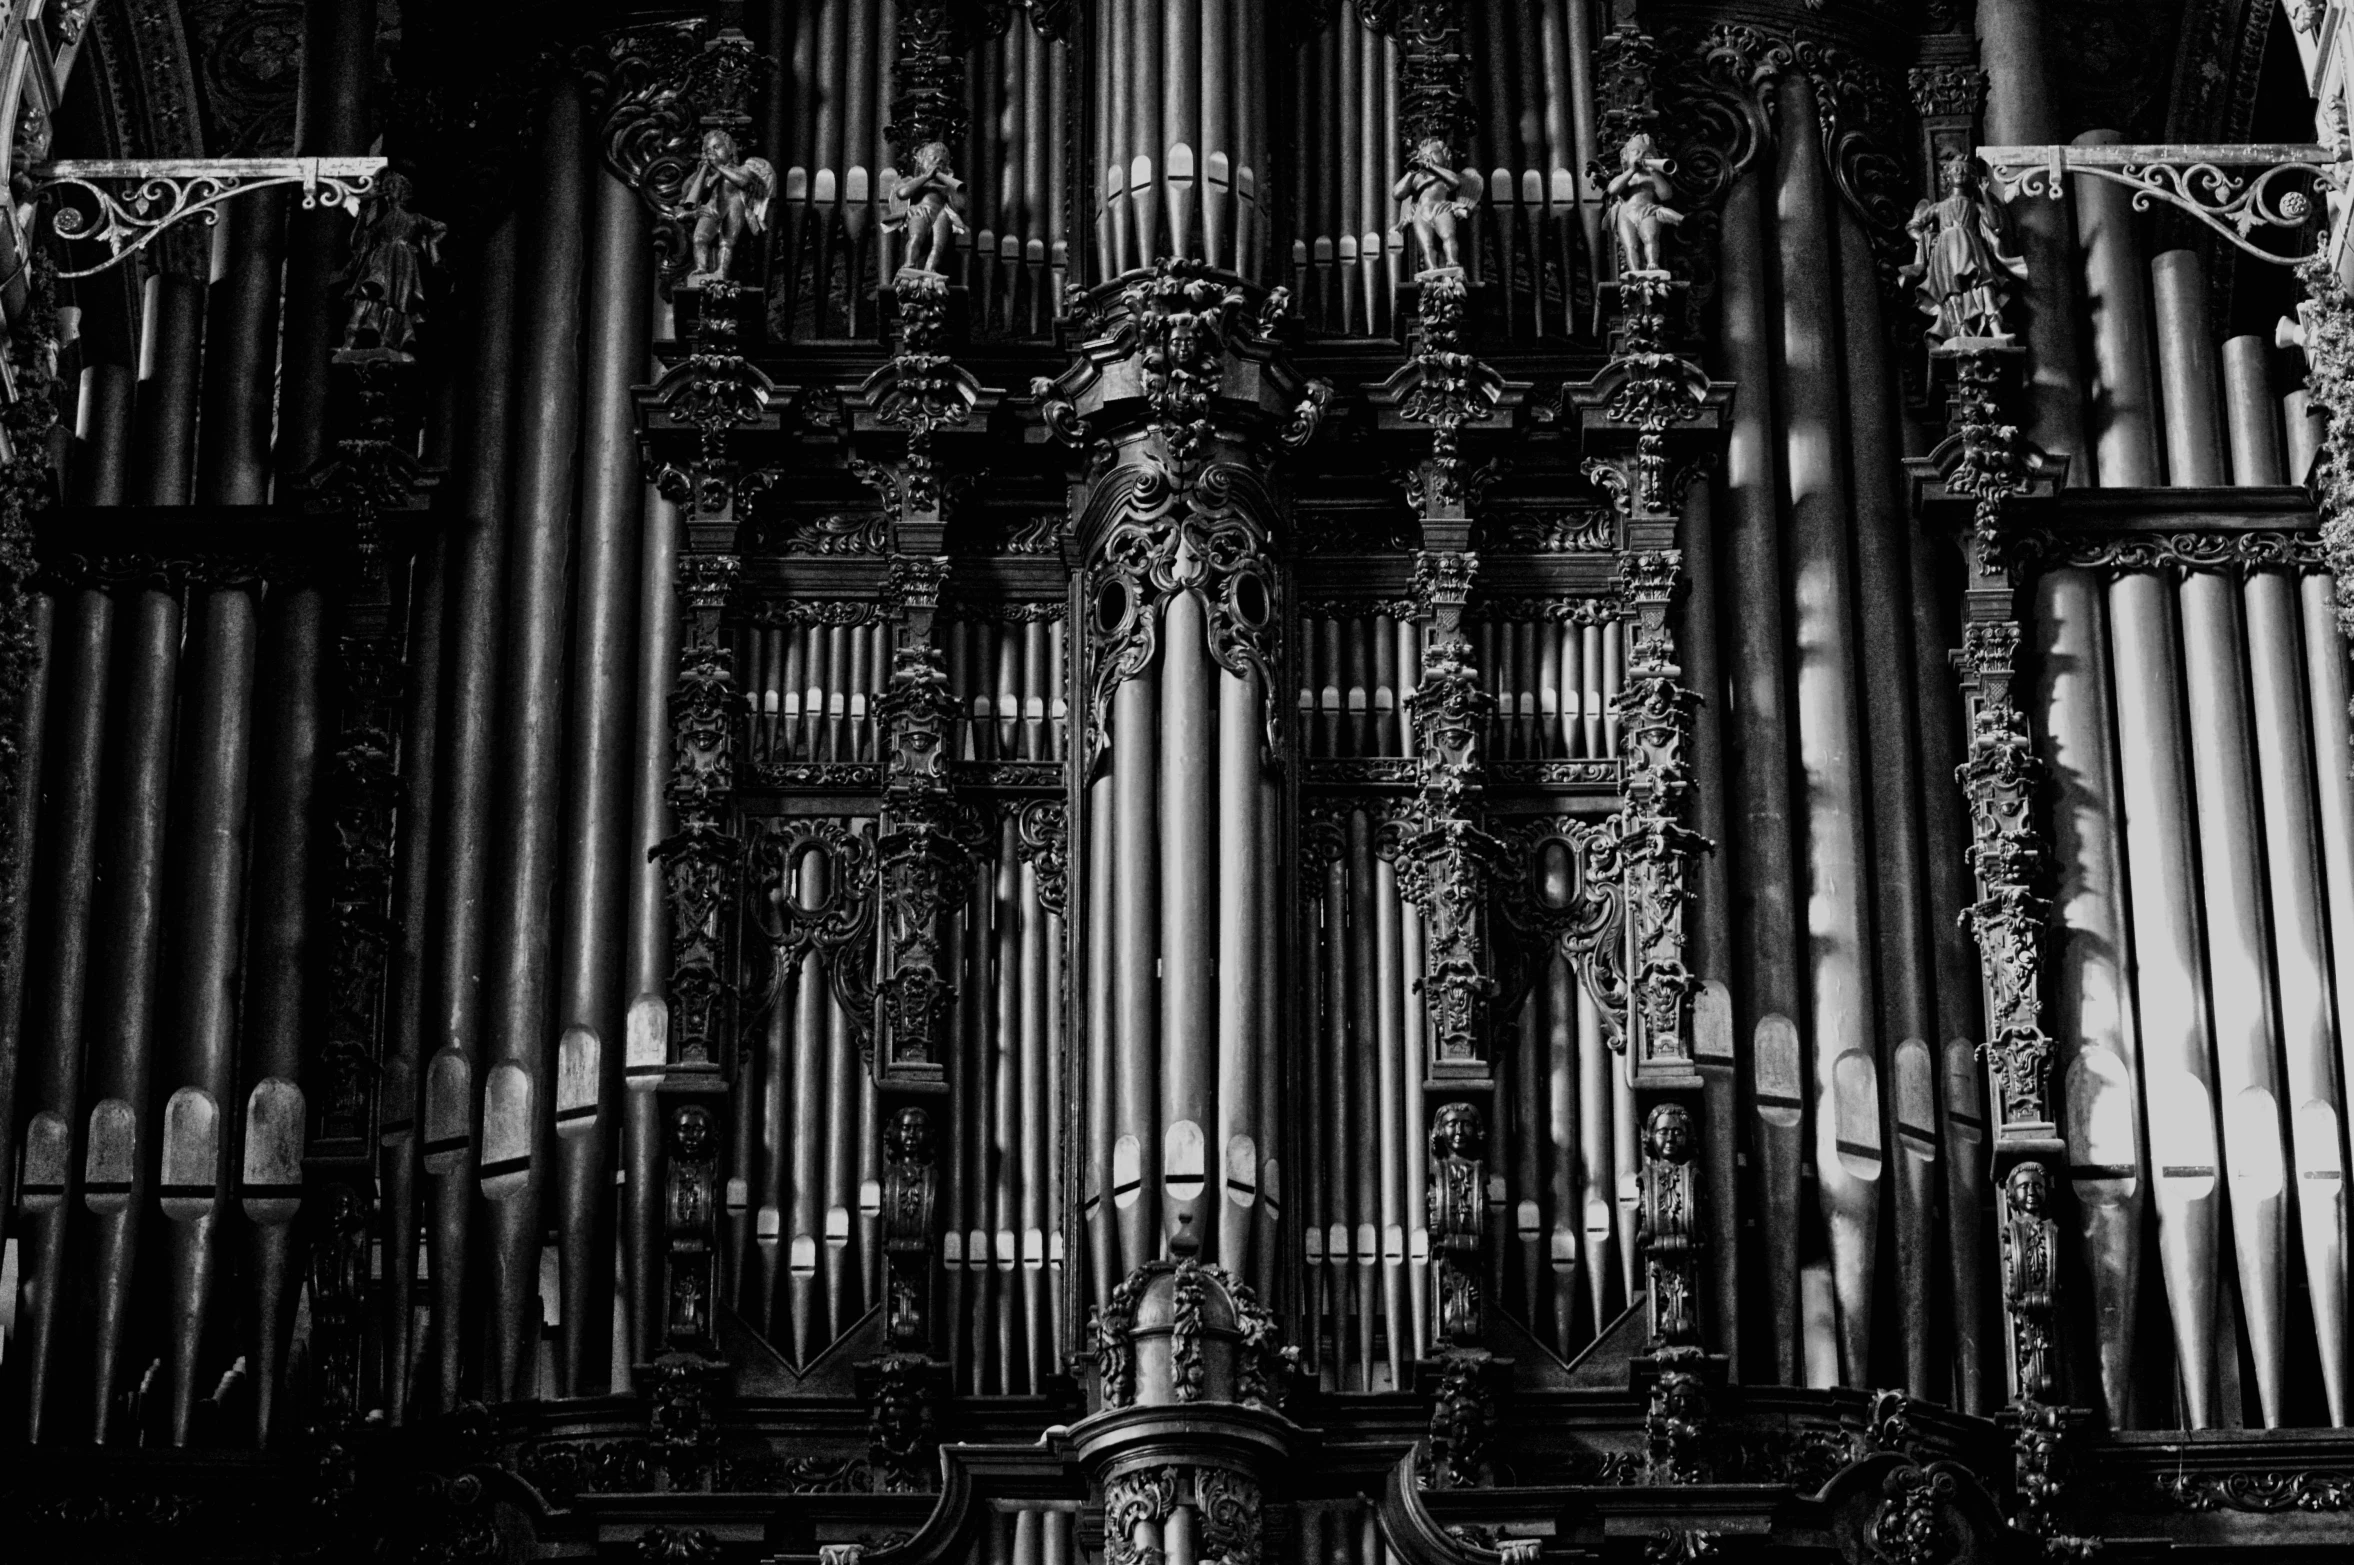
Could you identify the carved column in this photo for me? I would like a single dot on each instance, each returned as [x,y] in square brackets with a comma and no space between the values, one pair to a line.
[1651,424]
[1183,396]
[1448,862]
[670,94]
[375,485]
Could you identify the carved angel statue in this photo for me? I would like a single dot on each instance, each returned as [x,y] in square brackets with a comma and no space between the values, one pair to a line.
[1430,203]
[385,282]
[1961,268]
[924,204]
[1637,195]
[729,197]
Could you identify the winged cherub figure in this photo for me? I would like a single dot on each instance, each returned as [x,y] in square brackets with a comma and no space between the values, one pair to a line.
[729,197]
[1638,194]
[924,204]
[1430,204]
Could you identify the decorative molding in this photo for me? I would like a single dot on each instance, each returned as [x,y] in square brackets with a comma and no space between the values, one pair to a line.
[2268,1492]
[2234,191]
[136,201]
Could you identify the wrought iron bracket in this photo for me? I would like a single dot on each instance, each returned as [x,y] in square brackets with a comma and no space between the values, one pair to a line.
[139,198]
[2196,177]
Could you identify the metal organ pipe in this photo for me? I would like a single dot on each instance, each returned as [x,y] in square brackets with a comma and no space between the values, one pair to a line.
[2124,429]
[450,1096]
[2092,1003]
[519,1079]
[1822,596]
[50,1185]
[592,884]
[2170,973]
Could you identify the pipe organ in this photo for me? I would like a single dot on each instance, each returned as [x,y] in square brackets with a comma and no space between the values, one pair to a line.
[1062,782]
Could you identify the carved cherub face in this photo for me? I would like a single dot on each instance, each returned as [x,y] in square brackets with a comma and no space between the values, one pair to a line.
[1954,173]
[930,156]
[2027,1190]
[719,146]
[1636,152]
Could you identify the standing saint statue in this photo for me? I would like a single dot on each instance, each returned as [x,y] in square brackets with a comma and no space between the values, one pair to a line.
[385,282]
[924,204]
[729,197]
[1430,203]
[1638,194]
[1961,269]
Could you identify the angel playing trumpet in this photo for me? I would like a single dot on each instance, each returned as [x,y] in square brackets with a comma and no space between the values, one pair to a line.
[729,197]
[923,204]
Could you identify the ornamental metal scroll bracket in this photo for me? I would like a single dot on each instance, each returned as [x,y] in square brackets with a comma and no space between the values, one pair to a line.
[138,199]
[2195,177]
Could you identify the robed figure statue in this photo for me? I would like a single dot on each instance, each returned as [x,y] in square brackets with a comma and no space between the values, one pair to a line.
[1962,271]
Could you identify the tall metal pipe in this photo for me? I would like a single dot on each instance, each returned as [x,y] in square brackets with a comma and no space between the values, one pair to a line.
[1187,834]
[1764,878]
[2186,370]
[1136,908]
[127,921]
[205,883]
[1241,1136]
[2123,421]
[1840,987]
[2013,47]
[469,750]
[407,1020]
[2251,415]
[2307,1019]
[2092,1003]
[2239,956]
[23,826]
[60,964]
[240,362]
[2170,990]
[590,900]
[516,966]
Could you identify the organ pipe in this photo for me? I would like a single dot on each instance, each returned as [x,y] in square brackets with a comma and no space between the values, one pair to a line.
[1822,600]
[589,896]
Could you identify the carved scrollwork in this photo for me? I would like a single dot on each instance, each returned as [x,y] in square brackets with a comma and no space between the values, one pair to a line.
[1163,532]
[1231,1529]
[662,86]
[2264,1493]
[1134,1500]
[2192,549]
[791,855]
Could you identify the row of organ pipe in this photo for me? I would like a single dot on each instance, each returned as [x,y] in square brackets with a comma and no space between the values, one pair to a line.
[1555,685]
[804,1203]
[812,688]
[1181,135]
[1365,1243]
[1534,220]
[1179,959]
[2193,721]
[1181,144]
[1003,1248]
[837,173]
[1009,684]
